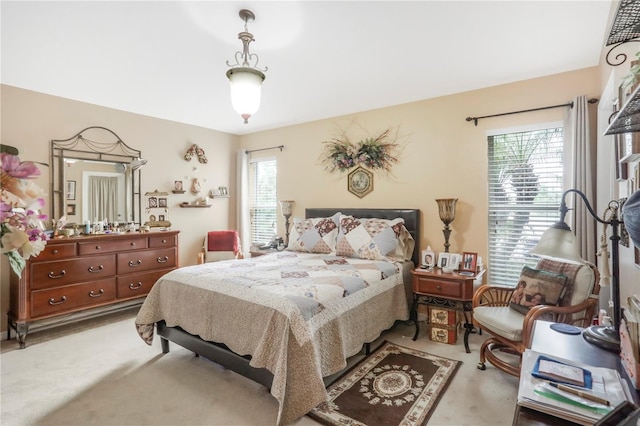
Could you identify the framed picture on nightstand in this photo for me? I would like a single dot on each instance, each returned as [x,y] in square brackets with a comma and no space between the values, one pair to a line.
[454,260]
[428,258]
[443,260]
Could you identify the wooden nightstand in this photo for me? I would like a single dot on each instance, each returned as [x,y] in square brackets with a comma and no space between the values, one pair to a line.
[451,291]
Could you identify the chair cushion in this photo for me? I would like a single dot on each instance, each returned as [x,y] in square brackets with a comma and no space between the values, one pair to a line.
[583,275]
[215,256]
[537,287]
[500,320]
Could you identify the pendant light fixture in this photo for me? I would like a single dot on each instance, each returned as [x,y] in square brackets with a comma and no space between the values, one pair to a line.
[245,76]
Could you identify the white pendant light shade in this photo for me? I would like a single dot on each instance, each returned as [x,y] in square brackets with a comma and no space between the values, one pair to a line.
[558,244]
[246,87]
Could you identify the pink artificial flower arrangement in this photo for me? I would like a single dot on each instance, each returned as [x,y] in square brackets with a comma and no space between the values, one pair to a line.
[20,201]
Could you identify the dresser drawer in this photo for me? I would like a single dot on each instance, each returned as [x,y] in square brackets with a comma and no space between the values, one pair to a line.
[163,241]
[107,246]
[437,287]
[137,285]
[132,262]
[55,252]
[55,274]
[67,298]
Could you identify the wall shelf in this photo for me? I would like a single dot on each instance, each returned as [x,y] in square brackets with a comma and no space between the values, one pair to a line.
[187,205]
[628,119]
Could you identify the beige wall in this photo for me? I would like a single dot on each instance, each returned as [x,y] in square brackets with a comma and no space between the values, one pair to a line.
[443,156]
[30,120]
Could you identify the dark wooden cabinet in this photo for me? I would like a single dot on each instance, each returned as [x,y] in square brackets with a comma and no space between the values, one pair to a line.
[74,274]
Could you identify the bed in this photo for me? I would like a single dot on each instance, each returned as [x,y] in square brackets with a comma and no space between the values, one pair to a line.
[274,320]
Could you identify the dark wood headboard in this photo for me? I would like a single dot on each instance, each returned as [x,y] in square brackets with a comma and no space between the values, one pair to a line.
[411,220]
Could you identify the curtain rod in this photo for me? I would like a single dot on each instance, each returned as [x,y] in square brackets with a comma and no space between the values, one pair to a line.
[570,104]
[280,147]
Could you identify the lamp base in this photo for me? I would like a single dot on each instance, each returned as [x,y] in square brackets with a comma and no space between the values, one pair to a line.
[604,337]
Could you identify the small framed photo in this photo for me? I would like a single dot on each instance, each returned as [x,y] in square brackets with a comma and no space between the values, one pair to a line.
[428,258]
[469,262]
[454,260]
[178,186]
[71,209]
[161,217]
[162,202]
[71,190]
[443,260]
[153,202]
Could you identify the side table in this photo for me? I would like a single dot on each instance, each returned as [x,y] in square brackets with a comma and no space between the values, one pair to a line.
[432,287]
[261,252]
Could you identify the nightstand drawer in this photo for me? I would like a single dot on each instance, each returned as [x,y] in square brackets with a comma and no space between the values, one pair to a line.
[436,287]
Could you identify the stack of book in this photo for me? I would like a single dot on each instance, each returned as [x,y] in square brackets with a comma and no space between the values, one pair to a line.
[629,339]
[548,385]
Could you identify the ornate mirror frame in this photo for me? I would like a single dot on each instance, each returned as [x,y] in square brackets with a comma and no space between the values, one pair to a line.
[103,151]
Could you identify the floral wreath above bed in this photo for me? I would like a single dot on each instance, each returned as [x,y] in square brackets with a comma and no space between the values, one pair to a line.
[376,153]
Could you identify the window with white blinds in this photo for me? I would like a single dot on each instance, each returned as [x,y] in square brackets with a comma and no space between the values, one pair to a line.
[262,200]
[525,190]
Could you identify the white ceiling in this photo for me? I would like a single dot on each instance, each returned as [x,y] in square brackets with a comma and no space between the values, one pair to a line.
[167,59]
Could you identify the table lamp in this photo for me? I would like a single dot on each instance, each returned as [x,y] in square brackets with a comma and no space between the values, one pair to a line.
[447,211]
[286,207]
[559,243]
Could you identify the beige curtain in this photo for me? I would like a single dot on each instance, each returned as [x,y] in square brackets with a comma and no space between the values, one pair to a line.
[242,207]
[583,153]
[103,198]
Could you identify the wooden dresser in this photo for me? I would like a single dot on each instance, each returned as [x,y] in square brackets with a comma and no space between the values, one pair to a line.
[74,274]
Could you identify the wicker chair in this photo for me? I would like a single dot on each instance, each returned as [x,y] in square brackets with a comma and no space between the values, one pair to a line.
[511,330]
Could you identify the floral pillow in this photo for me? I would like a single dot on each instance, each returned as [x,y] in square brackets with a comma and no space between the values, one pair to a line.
[537,287]
[375,239]
[315,235]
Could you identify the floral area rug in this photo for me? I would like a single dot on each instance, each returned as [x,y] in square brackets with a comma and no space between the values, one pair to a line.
[393,386]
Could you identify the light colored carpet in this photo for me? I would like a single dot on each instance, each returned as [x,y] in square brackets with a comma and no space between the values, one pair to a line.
[101,373]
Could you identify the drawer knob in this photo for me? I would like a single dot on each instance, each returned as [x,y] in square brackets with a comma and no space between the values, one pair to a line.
[133,244]
[53,275]
[54,251]
[439,287]
[163,259]
[164,241]
[98,269]
[97,247]
[53,302]
[98,294]
[134,264]
[133,286]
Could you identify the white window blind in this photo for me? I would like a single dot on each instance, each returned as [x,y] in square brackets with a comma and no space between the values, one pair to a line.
[262,200]
[525,190]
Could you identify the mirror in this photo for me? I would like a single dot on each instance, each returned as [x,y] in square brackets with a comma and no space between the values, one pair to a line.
[95,176]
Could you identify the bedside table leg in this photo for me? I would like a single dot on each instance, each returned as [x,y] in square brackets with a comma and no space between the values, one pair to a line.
[468,328]
[414,316]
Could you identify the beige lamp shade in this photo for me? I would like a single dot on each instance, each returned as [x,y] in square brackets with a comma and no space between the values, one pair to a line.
[558,243]
[447,209]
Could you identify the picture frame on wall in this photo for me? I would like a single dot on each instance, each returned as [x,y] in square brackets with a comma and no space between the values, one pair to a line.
[428,258]
[162,202]
[469,262]
[71,209]
[71,190]
[443,260]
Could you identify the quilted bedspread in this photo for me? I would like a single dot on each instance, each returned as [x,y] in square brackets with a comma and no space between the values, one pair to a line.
[299,315]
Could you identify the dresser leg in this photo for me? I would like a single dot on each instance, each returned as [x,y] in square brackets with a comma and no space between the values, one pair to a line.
[21,333]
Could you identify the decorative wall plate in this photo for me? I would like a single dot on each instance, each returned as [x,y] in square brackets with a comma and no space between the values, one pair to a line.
[360,182]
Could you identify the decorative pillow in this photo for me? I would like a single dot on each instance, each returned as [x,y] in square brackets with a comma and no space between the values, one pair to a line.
[537,287]
[315,235]
[374,239]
